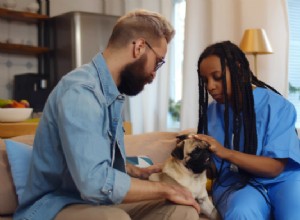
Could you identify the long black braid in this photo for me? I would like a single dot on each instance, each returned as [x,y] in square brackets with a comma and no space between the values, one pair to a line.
[242,102]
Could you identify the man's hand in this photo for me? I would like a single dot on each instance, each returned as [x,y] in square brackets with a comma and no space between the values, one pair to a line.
[142,173]
[180,195]
[141,190]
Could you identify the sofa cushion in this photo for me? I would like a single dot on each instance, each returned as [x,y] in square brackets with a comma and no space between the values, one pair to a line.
[19,157]
[155,145]
[8,197]
[140,161]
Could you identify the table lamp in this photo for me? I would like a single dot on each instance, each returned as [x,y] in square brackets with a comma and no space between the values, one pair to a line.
[255,41]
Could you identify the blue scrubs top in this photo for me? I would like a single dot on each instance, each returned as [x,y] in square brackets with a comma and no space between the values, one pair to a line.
[277,138]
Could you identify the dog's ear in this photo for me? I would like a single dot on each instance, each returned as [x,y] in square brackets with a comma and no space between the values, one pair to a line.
[178,151]
[181,137]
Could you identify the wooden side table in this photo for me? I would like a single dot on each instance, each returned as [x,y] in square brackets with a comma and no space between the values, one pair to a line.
[8,130]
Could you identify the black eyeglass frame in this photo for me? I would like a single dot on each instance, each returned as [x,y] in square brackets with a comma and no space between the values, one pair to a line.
[161,60]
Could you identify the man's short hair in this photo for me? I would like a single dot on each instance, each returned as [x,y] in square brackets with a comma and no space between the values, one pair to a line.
[141,23]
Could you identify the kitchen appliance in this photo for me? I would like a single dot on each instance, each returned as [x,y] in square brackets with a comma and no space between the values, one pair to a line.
[33,88]
[77,37]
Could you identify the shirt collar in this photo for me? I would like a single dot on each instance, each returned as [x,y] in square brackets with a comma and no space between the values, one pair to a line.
[108,85]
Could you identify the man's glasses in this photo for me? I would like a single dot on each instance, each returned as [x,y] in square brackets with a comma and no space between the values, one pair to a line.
[160,61]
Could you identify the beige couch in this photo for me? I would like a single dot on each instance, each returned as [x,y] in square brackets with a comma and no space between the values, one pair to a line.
[156,145]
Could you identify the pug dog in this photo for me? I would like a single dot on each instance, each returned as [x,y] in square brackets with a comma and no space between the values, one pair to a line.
[187,167]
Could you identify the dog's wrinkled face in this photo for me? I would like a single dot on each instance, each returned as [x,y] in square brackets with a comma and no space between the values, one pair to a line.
[193,153]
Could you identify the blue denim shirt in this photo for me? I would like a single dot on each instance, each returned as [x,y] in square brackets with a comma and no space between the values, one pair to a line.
[78,154]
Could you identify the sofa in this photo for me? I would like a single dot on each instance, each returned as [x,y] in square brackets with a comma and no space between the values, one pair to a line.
[155,145]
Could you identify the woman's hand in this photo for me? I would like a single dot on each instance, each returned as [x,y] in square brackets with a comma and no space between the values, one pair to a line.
[142,173]
[215,147]
[261,166]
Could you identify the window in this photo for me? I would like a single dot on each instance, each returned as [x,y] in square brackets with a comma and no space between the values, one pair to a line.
[294,55]
[176,67]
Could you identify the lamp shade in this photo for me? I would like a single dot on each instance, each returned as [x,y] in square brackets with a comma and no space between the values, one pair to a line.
[255,41]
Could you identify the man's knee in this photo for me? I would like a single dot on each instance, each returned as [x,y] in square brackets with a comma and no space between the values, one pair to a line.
[170,211]
[184,212]
[91,212]
[114,214]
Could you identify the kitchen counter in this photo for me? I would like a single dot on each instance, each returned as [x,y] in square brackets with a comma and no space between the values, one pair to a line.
[8,130]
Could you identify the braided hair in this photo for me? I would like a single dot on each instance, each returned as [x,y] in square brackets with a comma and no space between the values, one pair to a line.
[242,101]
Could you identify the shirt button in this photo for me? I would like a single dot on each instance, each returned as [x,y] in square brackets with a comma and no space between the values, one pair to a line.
[115,120]
[109,191]
[121,97]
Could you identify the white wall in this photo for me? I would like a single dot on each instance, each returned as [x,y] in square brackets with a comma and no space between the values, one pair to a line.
[225,20]
[231,17]
[270,15]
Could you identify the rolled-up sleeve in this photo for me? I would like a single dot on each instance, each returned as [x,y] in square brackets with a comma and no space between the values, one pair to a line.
[83,127]
[116,185]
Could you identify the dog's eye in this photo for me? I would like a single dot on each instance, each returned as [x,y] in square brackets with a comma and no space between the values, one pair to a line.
[199,153]
[195,153]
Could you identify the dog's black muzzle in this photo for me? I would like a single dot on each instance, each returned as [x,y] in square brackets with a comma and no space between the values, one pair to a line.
[199,160]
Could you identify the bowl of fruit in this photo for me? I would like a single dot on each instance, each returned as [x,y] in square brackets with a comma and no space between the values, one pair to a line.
[14,111]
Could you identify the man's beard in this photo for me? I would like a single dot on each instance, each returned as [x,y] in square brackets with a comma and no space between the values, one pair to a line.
[133,77]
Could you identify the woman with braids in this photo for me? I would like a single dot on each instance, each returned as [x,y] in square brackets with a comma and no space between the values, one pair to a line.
[251,131]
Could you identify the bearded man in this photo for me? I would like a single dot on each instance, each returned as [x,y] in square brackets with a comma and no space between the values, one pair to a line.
[78,168]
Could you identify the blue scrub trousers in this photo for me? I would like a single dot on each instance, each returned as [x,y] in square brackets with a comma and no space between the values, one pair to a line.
[248,203]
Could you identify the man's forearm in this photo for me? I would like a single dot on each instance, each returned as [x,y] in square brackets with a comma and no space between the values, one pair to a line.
[145,190]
